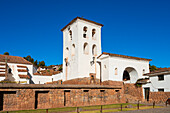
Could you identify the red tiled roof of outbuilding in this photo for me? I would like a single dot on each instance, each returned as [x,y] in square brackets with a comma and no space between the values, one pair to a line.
[123,56]
[14,59]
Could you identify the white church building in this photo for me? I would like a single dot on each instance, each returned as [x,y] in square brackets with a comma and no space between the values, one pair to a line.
[83,57]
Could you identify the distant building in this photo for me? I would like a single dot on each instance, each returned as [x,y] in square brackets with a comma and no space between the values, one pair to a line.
[18,69]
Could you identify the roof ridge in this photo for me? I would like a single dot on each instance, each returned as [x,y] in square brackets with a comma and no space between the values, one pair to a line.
[124,56]
[72,21]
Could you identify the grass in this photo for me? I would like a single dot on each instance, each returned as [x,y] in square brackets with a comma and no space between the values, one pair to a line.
[95,109]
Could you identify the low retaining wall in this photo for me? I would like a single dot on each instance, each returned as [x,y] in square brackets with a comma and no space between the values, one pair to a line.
[133,90]
[38,96]
[159,97]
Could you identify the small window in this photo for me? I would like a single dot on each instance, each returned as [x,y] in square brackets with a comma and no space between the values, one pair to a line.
[67,51]
[104,66]
[116,90]
[73,50]
[102,90]
[85,32]
[10,70]
[115,71]
[94,50]
[143,71]
[85,90]
[93,33]
[86,48]
[160,90]
[160,77]
[70,34]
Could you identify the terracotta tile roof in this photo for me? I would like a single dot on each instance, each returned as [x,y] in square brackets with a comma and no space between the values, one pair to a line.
[56,72]
[47,74]
[2,68]
[80,19]
[21,66]
[2,71]
[24,76]
[2,75]
[124,56]
[160,71]
[14,59]
[22,70]
[2,64]
[142,80]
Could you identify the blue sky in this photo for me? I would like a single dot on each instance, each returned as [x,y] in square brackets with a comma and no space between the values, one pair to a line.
[138,28]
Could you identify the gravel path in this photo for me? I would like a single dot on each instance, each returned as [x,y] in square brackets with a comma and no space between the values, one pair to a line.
[156,110]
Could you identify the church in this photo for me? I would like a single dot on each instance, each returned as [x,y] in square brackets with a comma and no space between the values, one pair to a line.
[83,56]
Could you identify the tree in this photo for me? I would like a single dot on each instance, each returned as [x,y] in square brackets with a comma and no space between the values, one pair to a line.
[41,64]
[6,53]
[152,68]
[35,63]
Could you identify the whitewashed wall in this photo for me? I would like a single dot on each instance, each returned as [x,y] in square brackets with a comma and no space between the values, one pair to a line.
[156,84]
[43,79]
[15,72]
[79,64]
[121,64]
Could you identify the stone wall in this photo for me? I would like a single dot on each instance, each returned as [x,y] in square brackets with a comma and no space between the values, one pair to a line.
[29,96]
[133,90]
[159,97]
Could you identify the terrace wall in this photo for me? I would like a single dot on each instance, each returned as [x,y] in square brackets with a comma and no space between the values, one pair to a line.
[159,97]
[31,96]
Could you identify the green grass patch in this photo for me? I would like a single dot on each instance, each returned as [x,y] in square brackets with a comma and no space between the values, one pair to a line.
[95,109]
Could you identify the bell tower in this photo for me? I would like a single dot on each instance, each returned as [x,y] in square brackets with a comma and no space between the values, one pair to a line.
[81,46]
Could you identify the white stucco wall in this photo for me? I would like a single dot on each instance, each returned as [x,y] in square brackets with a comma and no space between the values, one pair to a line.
[156,84]
[15,72]
[121,64]
[43,79]
[79,64]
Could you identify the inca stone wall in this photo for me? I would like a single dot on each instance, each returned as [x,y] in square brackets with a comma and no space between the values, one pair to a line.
[159,97]
[22,97]
[133,90]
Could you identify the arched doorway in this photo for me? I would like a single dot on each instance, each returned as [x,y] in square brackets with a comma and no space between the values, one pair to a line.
[130,75]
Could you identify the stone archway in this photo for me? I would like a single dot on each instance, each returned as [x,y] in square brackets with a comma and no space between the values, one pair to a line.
[130,75]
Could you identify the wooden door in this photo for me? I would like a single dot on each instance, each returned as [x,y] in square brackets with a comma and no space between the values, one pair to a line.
[67,98]
[147,93]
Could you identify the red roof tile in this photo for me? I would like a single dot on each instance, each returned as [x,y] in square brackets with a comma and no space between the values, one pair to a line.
[22,70]
[24,76]
[2,75]
[14,59]
[21,66]
[124,56]
[80,19]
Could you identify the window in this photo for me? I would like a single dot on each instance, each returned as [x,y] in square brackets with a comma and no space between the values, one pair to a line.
[93,33]
[94,50]
[86,48]
[161,90]
[160,77]
[115,71]
[67,51]
[73,49]
[143,71]
[70,34]
[85,31]
[10,70]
